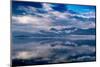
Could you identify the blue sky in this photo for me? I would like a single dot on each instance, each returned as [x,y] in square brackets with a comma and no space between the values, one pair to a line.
[58,7]
[42,16]
[81,9]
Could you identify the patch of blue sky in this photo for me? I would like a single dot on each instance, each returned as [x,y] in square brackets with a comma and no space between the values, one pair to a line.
[81,8]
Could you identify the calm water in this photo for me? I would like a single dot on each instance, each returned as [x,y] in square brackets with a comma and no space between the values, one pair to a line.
[33,51]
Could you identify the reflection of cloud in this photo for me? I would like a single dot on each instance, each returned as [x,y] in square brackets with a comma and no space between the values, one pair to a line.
[56,53]
[84,58]
[35,53]
[24,55]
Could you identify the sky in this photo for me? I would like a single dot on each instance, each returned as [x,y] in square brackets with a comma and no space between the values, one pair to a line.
[36,16]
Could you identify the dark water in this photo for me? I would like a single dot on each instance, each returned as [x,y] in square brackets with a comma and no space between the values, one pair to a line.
[33,51]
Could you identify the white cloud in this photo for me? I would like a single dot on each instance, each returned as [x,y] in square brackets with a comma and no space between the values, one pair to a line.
[59,15]
[47,7]
[86,15]
[89,15]
[22,19]
[29,23]
[84,25]
[28,19]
